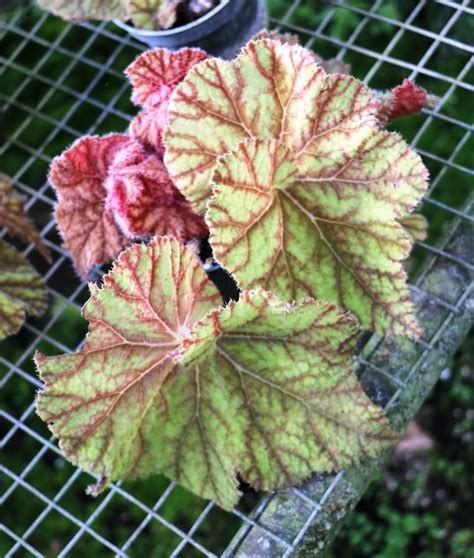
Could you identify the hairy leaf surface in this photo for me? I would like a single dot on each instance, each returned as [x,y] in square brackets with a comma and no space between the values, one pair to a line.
[148,126]
[296,235]
[145,202]
[200,392]
[407,98]
[271,91]
[21,290]
[14,219]
[81,10]
[334,234]
[89,230]
[155,74]
[153,14]
[102,400]
[267,390]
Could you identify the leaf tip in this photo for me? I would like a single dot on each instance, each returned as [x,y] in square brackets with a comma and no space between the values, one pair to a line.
[95,489]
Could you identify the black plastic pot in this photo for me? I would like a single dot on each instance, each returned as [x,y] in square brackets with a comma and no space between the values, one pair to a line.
[221,32]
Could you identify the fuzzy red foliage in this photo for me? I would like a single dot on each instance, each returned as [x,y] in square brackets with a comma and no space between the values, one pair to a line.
[403,100]
[89,230]
[155,73]
[407,98]
[145,201]
[116,188]
[148,127]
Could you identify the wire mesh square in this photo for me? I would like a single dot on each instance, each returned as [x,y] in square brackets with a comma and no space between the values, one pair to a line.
[60,81]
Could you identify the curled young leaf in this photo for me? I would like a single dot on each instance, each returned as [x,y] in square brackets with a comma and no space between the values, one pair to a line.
[81,10]
[403,100]
[102,402]
[155,74]
[88,228]
[13,218]
[22,290]
[145,202]
[148,126]
[333,233]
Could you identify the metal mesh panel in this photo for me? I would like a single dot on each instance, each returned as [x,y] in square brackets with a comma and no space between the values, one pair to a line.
[60,81]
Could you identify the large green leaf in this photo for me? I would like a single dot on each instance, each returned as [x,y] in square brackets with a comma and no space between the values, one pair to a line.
[21,290]
[261,388]
[268,391]
[271,91]
[331,229]
[99,400]
[326,239]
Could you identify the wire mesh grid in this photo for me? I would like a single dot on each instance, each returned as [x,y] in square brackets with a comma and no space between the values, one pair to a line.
[60,81]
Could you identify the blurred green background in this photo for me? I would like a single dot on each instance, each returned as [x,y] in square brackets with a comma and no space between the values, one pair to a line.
[418,506]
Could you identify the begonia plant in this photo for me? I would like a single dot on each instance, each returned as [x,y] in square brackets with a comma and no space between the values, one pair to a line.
[306,201]
[144,14]
[22,290]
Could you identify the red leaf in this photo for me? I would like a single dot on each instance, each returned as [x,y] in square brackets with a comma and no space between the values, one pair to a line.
[145,201]
[148,127]
[155,73]
[403,100]
[88,229]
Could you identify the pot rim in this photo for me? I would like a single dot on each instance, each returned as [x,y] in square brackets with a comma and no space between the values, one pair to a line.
[183,29]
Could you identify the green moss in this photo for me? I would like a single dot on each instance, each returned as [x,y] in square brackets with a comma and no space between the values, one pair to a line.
[418,507]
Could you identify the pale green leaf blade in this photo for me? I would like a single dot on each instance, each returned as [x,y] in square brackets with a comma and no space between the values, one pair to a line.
[196,439]
[269,91]
[22,290]
[153,14]
[267,389]
[336,238]
[98,401]
[81,10]
[415,225]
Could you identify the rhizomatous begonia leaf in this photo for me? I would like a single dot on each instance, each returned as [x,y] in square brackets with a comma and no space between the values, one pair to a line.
[153,14]
[201,392]
[89,230]
[15,220]
[147,128]
[145,202]
[331,229]
[81,10]
[101,400]
[22,290]
[154,75]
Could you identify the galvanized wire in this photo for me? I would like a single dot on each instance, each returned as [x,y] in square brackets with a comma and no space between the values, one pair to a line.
[56,111]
